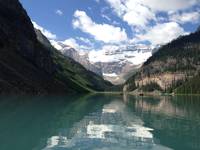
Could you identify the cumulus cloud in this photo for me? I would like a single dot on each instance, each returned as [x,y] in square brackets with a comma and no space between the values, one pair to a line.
[169,5]
[86,41]
[185,17]
[71,42]
[162,33]
[132,11]
[137,15]
[144,17]
[140,13]
[118,6]
[46,32]
[59,12]
[101,32]
[56,45]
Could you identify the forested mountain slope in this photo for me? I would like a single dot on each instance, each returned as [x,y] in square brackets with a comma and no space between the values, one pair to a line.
[171,66]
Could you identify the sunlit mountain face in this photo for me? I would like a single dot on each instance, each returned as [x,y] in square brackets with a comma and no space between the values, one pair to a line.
[114,63]
[113,38]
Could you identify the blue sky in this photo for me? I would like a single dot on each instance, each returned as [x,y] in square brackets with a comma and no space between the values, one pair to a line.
[92,24]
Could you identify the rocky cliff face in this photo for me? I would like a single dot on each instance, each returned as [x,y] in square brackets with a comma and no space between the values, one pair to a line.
[42,39]
[17,34]
[25,64]
[80,57]
[164,80]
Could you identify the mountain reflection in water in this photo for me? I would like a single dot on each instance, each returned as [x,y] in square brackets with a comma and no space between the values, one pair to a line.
[100,122]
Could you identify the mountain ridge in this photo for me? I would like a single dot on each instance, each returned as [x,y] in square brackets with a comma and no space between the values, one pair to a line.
[31,67]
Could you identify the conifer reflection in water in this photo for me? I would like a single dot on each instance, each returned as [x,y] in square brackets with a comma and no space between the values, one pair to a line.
[113,127]
[100,122]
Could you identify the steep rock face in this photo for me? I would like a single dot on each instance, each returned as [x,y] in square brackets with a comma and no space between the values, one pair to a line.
[164,80]
[79,56]
[17,33]
[32,67]
[82,59]
[43,39]
[26,67]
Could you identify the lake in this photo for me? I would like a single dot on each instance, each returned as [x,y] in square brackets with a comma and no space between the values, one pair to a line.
[97,122]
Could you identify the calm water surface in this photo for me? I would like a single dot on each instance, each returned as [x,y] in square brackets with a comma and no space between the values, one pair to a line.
[100,123]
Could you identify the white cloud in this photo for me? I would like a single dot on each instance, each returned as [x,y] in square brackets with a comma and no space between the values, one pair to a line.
[56,45]
[86,41]
[71,42]
[162,33]
[46,32]
[120,6]
[169,5]
[139,13]
[74,44]
[117,6]
[59,12]
[132,11]
[102,32]
[193,17]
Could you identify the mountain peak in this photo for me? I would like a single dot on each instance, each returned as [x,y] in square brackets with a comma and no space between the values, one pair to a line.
[111,60]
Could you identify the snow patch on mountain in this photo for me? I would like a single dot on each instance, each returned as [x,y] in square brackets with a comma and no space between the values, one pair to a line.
[110,75]
[134,54]
[112,61]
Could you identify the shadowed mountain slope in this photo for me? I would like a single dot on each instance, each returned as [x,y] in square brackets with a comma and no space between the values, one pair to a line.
[32,67]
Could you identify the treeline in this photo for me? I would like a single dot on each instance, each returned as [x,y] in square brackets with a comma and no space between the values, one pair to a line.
[183,47]
[190,87]
[150,87]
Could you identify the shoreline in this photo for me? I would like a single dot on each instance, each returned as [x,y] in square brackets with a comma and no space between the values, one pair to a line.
[155,93]
[161,94]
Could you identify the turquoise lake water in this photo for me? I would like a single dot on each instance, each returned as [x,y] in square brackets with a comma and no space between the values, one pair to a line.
[100,123]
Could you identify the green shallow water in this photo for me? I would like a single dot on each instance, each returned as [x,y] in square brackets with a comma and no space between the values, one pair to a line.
[100,123]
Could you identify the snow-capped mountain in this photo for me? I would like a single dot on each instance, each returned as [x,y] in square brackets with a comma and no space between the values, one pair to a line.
[115,63]
[119,62]
[78,56]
